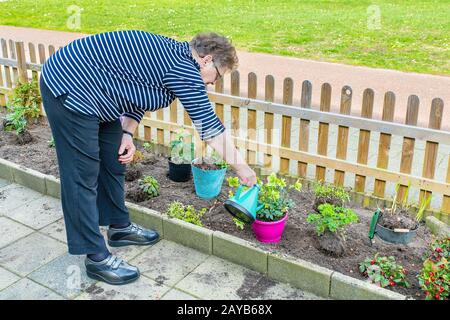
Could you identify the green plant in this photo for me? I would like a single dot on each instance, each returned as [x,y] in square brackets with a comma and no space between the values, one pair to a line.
[423,205]
[186,213]
[239,224]
[384,271]
[23,105]
[434,278]
[217,159]
[51,143]
[149,185]
[182,151]
[149,146]
[274,195]
[138,156]
[328,193]
[332,218]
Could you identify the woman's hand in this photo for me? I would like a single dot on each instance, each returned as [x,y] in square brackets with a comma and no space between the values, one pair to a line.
[246,175]
[128,147]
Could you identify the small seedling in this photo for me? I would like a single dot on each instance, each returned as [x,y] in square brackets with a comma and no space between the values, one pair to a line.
[149,146]
[137,157]
[186,213]
[239,224]
[51,143]
[423,205]
[150,186]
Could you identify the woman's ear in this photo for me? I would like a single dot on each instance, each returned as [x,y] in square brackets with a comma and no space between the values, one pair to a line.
[207,59]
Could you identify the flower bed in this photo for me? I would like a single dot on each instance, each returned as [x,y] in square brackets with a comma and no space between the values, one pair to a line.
[299,238]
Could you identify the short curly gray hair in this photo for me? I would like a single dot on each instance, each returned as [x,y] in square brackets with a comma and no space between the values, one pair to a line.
[218,46]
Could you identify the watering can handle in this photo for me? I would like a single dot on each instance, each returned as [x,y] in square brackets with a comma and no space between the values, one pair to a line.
[238,191]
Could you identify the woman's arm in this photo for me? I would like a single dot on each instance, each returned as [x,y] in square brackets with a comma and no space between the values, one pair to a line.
[224,145]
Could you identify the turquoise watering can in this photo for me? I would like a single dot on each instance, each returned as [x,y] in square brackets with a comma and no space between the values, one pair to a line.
[244,205]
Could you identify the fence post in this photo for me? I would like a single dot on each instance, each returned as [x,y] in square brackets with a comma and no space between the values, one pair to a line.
[251,116]
[385,142]
[21,62]
[431,148]
[286,123]
[412,114]
[322,142]
[364,138]
[446,199]
[268,118]
[8,80]
[303,145]
[342,138]
[12,50]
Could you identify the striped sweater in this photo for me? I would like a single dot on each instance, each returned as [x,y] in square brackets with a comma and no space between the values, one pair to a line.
[125,73]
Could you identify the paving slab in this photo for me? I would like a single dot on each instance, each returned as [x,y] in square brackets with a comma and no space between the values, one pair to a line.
[14,195]
[175,294]
[142,289]
[4,182]
[7,278]
[26,289]
[71,280]
[12,231]
[30,253]
[38,213]
[56,230]
[220,279]
[168,262]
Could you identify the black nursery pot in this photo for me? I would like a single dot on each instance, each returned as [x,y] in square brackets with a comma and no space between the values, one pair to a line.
[179,172]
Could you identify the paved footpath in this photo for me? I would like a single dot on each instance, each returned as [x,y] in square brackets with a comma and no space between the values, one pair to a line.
[34,263]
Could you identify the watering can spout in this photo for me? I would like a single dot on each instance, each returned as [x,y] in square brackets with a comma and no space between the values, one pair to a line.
[244,205]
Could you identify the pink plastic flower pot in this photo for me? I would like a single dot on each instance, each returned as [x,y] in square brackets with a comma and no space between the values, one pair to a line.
[269,232]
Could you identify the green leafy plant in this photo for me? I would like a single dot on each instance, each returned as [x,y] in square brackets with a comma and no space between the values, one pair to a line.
[182,151]
[51,143]
[23,106]
[332,218]
[328,193]
[384,271]
[434,278]
[217,159]
[150,186]
[239,224]
[274,195]
[149,146]
[186,213]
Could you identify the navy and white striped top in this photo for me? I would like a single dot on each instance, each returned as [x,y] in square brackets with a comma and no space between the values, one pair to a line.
[127,73]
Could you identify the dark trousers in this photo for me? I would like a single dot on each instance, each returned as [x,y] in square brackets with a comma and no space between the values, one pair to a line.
[92,178]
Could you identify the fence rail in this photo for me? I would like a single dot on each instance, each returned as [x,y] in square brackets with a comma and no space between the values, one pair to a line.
[313,142]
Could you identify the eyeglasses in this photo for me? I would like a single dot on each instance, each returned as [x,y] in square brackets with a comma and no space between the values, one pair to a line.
[218,76]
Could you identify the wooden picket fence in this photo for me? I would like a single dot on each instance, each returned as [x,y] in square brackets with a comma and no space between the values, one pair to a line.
[244,112]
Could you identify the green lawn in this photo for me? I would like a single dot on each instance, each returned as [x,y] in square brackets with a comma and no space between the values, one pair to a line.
[414,35]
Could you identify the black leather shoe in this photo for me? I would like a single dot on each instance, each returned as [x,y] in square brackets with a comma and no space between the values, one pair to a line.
[131,235]
[112,270]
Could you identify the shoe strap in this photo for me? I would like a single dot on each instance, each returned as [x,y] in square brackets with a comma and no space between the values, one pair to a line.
[114,262]
[136,227]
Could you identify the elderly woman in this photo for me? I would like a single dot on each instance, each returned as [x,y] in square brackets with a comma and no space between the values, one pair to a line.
[86,87]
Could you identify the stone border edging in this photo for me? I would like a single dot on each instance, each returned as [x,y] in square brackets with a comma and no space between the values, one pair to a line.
[302,274]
